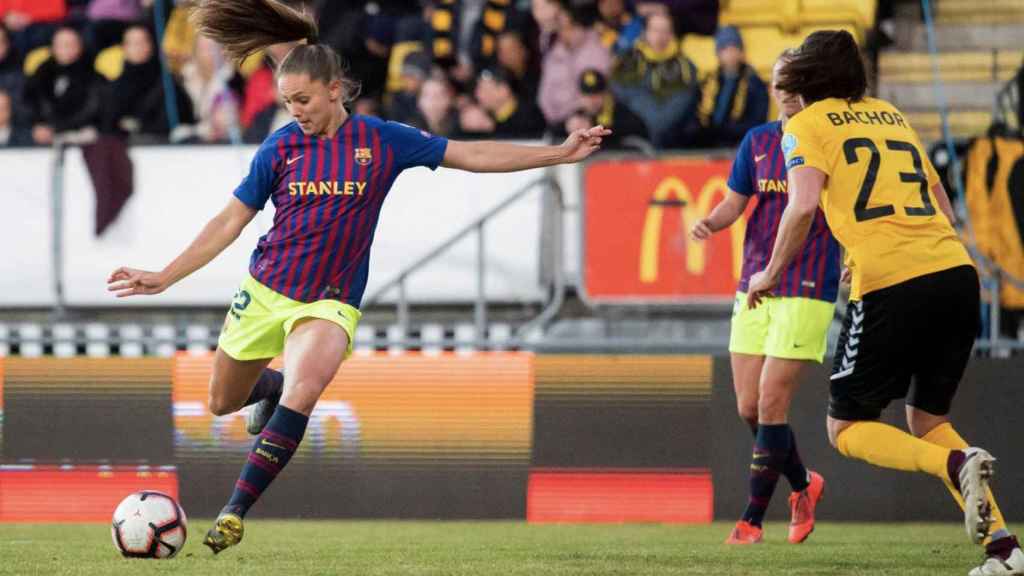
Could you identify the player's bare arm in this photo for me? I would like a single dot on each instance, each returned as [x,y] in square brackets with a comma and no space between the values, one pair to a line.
[939,191]
[805,186]
[489,156]
[217,235]
[724,215]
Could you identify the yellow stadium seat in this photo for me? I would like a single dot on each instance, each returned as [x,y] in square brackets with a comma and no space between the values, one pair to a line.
[860,13]
[779,13]
[398,53]
[701,49]
[35,59]
[110,62]
[963,66]
[251,64]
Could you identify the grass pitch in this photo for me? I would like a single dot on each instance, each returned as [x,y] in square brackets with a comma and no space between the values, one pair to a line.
[499,548]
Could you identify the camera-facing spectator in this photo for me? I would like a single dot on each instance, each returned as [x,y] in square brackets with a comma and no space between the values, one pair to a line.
[65,93]
[546,15]
[577,48]
[514,54]
[619,25]
[436,105]
[505,114]
[10,134]
[598,106]
[32,22]
[137,105]
[659,83]
[735,99]
[206,82]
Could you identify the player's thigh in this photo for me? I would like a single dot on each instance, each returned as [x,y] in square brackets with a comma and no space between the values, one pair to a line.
[319,339]
[948,321]
[746,373]
[869,369]
[232,380]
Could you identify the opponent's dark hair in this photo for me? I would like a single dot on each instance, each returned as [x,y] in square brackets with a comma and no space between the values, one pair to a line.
[827,65]
[244,27]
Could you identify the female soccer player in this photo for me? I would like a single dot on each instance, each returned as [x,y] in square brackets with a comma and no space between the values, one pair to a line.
[771,346]
[327,174]
[913,314]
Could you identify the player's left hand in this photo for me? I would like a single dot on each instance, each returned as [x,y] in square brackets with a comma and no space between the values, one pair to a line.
[583,143]
[759,288]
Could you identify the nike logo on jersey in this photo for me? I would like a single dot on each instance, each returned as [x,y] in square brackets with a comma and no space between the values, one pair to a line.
[760,157]
[291,161]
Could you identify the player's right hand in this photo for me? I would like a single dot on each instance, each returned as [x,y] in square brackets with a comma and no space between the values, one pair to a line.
[130,282]
[701,230]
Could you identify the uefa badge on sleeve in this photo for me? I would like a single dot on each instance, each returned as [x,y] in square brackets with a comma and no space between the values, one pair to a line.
[363,156]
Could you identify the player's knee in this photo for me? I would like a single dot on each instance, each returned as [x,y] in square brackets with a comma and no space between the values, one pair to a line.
[219,406]
[833,429]
[747,411]
[772,407]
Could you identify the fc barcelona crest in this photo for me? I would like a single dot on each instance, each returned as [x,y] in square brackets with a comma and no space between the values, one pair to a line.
[363,156]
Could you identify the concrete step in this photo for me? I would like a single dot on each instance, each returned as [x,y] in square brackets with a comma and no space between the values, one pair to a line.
[962,123]
[910,35]
[979,11]
[922,96]
[962,66]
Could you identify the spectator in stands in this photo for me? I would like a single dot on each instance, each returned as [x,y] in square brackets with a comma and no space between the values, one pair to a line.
[437,113]
[514,55]
[619,26]
[137,104]
[735,99]
[108,21]
[404,103]
[504,115]
[598,106]
[546,15]
[577,48]
[206,81]
[10,134]
[688,16]
[260,90]
[12,79]
[32,22]
[65,93]
[659,83]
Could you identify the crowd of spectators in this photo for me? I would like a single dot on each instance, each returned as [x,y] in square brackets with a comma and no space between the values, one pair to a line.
[518,69]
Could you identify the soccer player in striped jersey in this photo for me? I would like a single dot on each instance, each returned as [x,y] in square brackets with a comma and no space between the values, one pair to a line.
[770,346]
[914,301]
[327,175]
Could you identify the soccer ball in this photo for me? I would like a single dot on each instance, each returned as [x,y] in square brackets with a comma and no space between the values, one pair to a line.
[148,525]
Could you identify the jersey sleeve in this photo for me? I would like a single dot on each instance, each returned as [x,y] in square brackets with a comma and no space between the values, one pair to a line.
[258,185]
[802,145]
[415,147]
[741,180]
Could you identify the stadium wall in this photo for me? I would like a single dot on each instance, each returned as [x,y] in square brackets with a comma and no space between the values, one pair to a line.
[546,438]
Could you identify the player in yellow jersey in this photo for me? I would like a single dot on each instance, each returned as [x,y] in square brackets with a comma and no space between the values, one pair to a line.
[913,315]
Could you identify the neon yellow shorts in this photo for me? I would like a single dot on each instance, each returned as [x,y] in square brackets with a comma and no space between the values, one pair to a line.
[260,319]
[793,328]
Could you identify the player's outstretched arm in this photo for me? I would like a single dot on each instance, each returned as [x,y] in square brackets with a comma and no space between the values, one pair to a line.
[217,235]
[490,156]
[725,213]
[805,186]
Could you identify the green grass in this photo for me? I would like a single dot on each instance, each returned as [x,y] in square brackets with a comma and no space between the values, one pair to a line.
[500,548]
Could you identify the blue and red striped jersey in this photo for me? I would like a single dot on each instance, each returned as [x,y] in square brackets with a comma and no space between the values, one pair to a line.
[760,169]
[328,193]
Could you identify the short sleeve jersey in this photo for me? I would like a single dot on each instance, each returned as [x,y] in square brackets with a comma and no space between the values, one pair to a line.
[328,194]
[760,170]
[878,196]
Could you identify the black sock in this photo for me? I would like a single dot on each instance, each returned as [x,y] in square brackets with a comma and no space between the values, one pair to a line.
[771,451]
[268,385]
[794,468]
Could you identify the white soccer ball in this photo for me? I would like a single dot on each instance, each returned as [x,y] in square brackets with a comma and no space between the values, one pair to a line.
[148,524]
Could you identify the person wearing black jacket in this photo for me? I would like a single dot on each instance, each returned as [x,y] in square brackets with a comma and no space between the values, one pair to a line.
[496,92]
[65,94]
[137,104]
[598,106]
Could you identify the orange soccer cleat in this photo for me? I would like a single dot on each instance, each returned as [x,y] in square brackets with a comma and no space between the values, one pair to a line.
[745,533]
[802,505]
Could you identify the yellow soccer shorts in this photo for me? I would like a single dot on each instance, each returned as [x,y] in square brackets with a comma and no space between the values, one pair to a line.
[260,319]
[793,328]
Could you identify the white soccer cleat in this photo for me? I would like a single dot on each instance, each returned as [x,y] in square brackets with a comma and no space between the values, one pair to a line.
[975,473]
[995,566]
